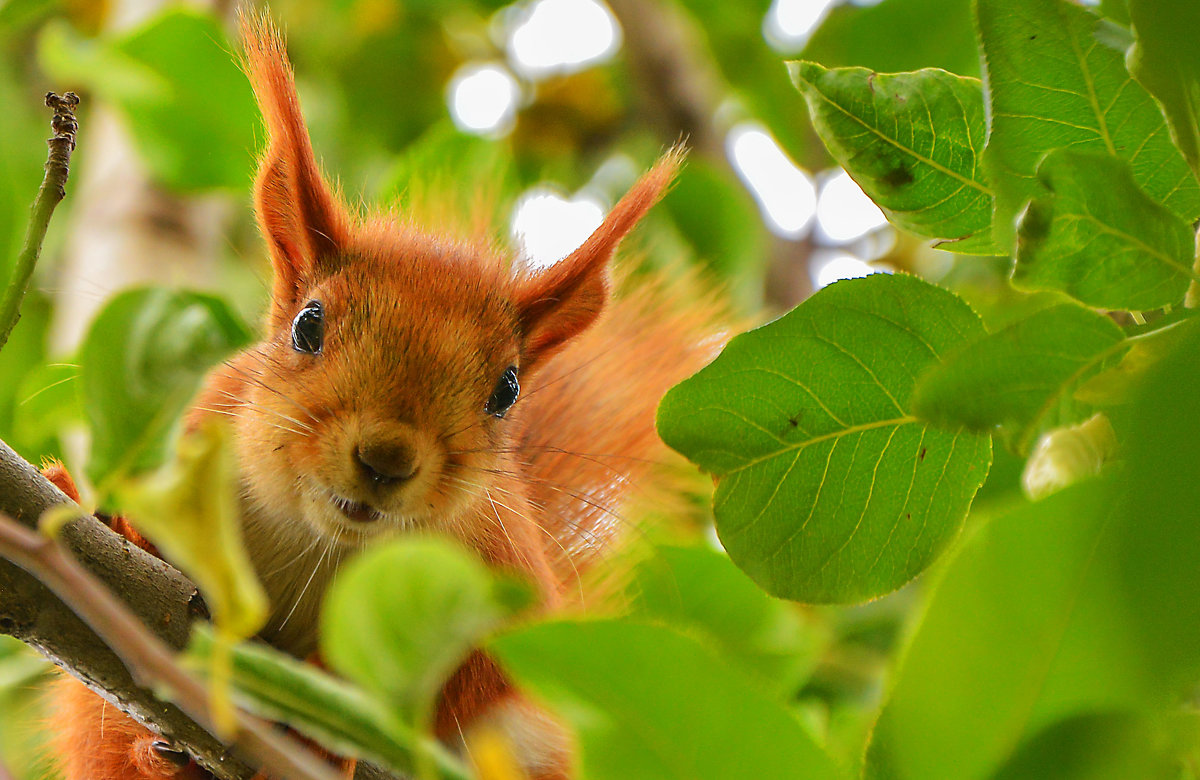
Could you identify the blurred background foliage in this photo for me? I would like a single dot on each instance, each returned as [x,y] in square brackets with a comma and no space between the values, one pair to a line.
[527,118]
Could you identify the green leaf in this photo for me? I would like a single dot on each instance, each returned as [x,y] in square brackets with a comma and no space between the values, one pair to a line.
[1165,60]
[1017,377]
[47,401]
[897,35]
[648,702]
[912,141]
[141,362]
[1052,84]
[1019,633]
[829,489]
[1103,746]
[322,707]
[700,589]
[189,107]
[1094,235]
[1157,530]
[402,617]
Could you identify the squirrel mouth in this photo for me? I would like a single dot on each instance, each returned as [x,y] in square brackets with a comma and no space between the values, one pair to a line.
[355,510]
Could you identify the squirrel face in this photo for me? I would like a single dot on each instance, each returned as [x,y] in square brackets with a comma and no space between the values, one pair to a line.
[375,402]
[380,401]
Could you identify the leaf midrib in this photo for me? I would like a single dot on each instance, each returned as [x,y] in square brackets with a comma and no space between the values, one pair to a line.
[853,429]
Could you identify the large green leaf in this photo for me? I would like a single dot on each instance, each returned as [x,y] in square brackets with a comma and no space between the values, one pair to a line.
[648,702]
[342,717]
[829,489]
[1166,61]
[912,141]
[701,590]
[1018,376]
[897,35]
[189,109]
[1158,527]
[1020,632]
[1051,83]
[401,618]
[140,363]
[1094,235]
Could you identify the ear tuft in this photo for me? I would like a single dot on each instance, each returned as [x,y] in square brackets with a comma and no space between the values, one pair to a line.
[557,304]
[304,223]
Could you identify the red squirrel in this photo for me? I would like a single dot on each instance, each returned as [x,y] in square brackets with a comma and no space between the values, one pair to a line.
[408,379]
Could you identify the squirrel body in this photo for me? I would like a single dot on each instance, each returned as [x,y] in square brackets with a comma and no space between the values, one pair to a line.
[409,381]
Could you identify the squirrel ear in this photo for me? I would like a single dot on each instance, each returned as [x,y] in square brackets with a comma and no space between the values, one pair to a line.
[560,302]
[305,225]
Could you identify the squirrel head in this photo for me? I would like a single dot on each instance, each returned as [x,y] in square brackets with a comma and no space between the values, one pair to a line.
[387,390]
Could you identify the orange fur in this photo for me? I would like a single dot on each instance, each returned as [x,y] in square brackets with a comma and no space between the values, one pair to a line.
[384,431]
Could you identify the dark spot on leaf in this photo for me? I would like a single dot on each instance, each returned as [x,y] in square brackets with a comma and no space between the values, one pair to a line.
[1032,37]
[896,178]
[1035,223]
[794,420]
[922,455]
[908,515]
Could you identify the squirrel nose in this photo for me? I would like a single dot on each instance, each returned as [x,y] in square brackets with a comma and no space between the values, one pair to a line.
[386,463]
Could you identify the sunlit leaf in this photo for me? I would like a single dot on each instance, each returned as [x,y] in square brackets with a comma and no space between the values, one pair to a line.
[189,509]
[648,702]
[1166,61]
[1094,235]
[1051,84]
[829,489]
[403,616]
[142,360]
[912,141]
[1017,376]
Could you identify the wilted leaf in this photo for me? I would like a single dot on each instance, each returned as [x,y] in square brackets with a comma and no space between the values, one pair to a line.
[1068,455]
[402,617]
[142,360]
[332,711]
[1018,376]
[912,141]
[1094,235]
[1053,84]
[1166,61]
[829,489]
[189,509]
[648,702]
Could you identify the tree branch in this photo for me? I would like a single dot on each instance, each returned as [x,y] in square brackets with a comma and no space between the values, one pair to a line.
[142,608]
[52,191]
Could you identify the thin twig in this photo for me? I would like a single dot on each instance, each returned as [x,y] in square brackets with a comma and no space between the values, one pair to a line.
[145,654]
[53,190]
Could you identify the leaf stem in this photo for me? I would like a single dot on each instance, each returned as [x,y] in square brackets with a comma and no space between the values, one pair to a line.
[52,190]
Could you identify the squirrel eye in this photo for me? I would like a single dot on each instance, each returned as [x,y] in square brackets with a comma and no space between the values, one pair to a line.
[308,329]
[505,394]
